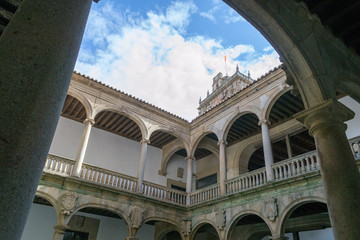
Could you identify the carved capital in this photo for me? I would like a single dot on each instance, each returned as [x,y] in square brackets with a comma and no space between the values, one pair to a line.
[162,172]
[222,142]
[144,140]
[190,158]
[328,113]
[90,121]
[61,229]
[68,202]
[264,121]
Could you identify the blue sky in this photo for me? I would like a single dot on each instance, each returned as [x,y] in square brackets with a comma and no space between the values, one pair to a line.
[167,52]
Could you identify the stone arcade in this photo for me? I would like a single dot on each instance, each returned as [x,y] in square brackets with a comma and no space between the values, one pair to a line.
[251,169]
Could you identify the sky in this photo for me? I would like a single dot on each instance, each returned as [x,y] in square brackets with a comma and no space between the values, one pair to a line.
[167,52]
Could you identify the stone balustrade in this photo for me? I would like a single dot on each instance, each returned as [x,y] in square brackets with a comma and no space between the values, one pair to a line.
[205,194]
[162,193]
[299,165]
[246,181]
[290,168]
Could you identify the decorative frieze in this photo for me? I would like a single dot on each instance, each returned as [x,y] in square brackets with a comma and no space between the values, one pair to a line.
[271,210]
[68,202]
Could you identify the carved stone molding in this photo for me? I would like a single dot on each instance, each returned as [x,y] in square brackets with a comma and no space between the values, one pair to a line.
[68,202]
[186,227]
[220,219]
[271,211]
[136,216]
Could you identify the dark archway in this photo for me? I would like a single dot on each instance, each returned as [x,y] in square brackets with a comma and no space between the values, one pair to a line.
[251,227]
[309,220]
[206,232]
[243,127]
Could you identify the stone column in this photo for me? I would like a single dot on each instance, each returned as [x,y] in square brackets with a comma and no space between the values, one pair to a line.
[278,237]
[189,178]
[268,155]
[38,51]
[59,232]
[340,175]
[82,148]
[222,166]
[288,146]
[142,162]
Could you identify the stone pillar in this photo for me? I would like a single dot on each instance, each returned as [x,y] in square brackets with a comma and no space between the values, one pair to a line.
[268,155]
[59,232]
[142,162]
[222,166]
[189,178]
[340,175]
[296,236]
[82,148]
[288,146]
[38,51]
[278,237]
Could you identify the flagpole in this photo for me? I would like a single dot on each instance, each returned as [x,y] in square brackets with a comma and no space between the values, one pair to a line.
[225,66]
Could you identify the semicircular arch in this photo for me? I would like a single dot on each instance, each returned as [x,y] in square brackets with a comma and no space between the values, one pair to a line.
[200,224]
[265,114]
[290,208]
[84,101]
[171,132]
[197,141]
[236,218]
[117,211]
[122,111]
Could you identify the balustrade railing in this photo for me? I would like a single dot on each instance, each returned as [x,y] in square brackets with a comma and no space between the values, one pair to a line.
[159,192]
[246,181]
[205,194]
[58,165]
[286,169]
[299,165]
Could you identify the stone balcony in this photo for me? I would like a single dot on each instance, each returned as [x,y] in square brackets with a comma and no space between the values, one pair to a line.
[287,170]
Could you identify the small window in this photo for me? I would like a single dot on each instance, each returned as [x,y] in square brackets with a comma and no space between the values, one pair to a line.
[206,181]
[73,235]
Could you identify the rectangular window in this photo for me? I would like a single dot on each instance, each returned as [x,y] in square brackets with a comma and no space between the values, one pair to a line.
[73,235]
[206,181]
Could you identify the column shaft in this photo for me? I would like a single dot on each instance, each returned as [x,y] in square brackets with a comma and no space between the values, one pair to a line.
[142,162]
[59,232]
[268,155]
[288,146]
[82,148]
[222,166]
[339,172]
[38,51]
[189,181]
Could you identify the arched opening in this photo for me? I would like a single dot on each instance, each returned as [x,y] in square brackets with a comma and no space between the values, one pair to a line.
[162,230]
[245,126]
[42,218]
[73,109]
[176,170]
[173,235]
[309,220]
[206,232]
[249,227]
[207,162]
[118,124]
[96,223]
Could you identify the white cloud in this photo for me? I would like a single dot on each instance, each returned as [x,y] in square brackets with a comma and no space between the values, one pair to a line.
[149,58]
[232,17]
[268,49]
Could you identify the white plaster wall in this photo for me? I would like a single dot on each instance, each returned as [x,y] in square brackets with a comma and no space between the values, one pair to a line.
[106,150]
[41,220]
[175,162]
[353,129]
[207,166]
[116,229]
[39,225]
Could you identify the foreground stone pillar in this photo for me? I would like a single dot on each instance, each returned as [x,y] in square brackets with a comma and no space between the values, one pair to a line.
[142,162]
[38,50]
[82,148]
[222,166]
[189,181]
[59,232]
[340,175]
[268,155]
